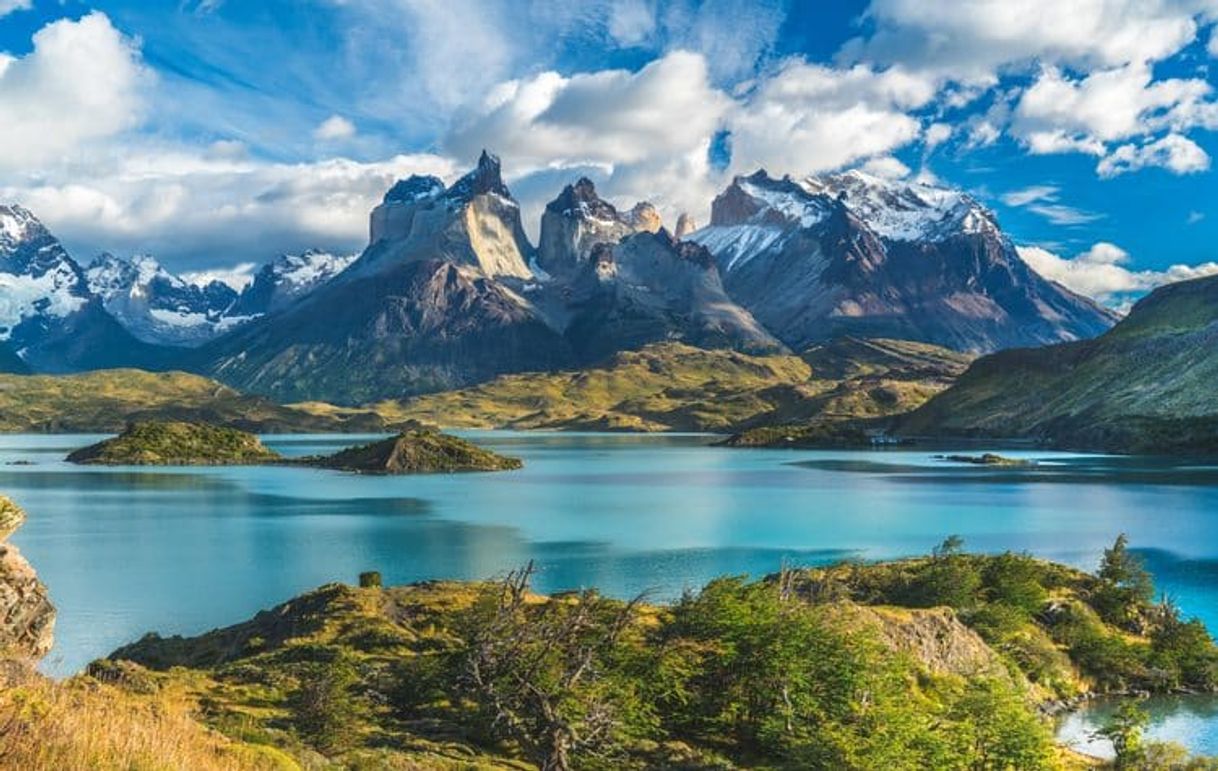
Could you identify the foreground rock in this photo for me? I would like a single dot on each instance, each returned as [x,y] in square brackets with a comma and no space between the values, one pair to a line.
[418,452]
[176,444]
[27,618]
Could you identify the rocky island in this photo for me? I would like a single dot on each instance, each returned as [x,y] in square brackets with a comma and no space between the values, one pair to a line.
[414,451]
[417,451]
[986,459]
[173,443]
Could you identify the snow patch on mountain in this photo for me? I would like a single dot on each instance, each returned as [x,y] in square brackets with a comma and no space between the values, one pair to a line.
[155,305]
[901,210]
[734,245]
[22,297]
[286,279]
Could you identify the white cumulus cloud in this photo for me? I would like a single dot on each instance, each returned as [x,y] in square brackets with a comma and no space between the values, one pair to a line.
[809,117]
[1102,272]
[82,81]
[1174,152]
[334,128]
[195,211]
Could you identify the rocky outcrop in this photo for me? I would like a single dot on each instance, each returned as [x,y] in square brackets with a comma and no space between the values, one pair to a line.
[475,223]
[685,225]
[27,618]
[934,637]
[579,220]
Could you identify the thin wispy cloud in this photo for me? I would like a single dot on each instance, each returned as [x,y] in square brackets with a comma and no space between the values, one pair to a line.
[1044,201]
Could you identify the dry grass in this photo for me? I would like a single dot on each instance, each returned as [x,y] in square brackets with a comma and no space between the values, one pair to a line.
[81,724]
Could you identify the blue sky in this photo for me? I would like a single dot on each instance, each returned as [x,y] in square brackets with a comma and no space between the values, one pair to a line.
[217,133]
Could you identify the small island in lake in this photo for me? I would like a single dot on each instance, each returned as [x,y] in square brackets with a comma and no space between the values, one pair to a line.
[986,459]
[417,451]
[175,443]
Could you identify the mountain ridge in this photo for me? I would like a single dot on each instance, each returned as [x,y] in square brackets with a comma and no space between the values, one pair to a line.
[1146,385]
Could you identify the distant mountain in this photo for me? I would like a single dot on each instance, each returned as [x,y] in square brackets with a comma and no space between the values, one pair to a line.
[436,301]
[450,292]
[286,279]
[620,281]
[1147,385]
[48,315]
[852,254]
[158,307]
[161,308]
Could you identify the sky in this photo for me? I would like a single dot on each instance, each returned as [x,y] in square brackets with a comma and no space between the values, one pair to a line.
[215,134]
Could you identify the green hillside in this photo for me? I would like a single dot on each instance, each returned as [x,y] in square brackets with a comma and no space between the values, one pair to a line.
[106,401]
[672,386]
[1146,386]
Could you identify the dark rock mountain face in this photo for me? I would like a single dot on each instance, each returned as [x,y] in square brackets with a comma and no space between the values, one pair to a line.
[649,288]
[620,281]
[1146,385]
[449,291]
[416,326]
[852,254]
[575,222]
[11,363]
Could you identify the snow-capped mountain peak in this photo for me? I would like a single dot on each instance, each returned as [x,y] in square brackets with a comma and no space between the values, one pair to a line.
[286,279]
[902,210]
[17,224]
[155,305]
[39,281]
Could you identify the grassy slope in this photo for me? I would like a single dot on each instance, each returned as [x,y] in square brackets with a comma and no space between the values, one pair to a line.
[1147,385]
[105,401]
[676,387]
[244,672]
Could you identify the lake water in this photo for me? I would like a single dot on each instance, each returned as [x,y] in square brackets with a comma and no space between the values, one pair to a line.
[125,551]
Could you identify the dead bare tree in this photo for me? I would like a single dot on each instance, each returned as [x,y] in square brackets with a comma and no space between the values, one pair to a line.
[535,666]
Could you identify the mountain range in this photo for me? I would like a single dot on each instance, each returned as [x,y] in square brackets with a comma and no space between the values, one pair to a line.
[450,292]
[852,254]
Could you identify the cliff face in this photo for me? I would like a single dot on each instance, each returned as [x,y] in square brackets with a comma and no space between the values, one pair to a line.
[27,618]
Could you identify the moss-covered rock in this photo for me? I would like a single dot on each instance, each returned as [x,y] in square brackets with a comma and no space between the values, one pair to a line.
[418,451]
[176,444]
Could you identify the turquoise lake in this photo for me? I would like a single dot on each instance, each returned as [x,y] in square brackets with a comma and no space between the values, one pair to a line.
[126,551]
